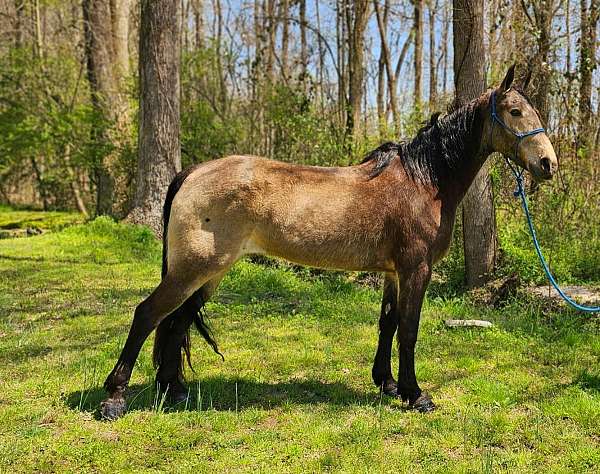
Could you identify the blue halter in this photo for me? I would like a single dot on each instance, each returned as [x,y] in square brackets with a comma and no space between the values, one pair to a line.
[519,135]
[520,192]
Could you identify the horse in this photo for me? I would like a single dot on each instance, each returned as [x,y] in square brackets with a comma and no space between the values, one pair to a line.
[393,213]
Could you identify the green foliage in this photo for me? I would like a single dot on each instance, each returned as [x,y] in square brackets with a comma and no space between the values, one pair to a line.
[44,126]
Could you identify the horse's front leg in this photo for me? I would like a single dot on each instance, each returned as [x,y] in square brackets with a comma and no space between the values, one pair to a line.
[412,291]
[388,323]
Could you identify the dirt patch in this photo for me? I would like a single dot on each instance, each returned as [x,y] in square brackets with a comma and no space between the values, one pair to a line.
[582,294]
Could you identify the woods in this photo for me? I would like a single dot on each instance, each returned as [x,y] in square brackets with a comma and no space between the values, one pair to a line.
[82,126]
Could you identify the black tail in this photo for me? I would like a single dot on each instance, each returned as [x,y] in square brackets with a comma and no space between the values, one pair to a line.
[191,310]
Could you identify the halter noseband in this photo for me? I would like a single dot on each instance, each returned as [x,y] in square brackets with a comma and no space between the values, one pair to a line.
[519,135]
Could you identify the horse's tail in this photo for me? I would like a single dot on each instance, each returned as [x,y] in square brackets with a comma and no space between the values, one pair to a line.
[191,310]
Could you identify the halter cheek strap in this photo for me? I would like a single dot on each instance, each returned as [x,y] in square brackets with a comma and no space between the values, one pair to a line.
[519,136]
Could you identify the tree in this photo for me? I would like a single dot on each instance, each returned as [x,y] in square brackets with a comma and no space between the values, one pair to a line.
[357,23]
[587,64]
[432,7]
[106,27]
[386,60]
[159,156]
[99,54]
[418,56]
[479,222]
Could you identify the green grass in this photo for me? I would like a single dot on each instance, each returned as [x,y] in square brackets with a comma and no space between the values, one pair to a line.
[27,218]
[294,393]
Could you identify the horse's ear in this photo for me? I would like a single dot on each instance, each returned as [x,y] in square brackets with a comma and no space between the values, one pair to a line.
[527,80]
[508,79]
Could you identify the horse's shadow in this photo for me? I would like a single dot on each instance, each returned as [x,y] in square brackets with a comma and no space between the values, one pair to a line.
[230,394]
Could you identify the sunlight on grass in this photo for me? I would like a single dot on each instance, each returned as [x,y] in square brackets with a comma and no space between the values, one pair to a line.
[294,393]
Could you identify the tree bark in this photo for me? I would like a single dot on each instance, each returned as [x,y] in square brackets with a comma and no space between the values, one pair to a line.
[587,64]
[120,30]
[159,149]
[357,25]
[198,9]
[479,221]
[418,54]
[303,44]
[285,38]
[387,59]
[99,53]
[432,7]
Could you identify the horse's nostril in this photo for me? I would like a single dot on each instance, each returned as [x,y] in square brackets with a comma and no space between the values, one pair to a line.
[546,165]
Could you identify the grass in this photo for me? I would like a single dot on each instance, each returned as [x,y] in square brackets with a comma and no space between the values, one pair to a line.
[11,219]
[294,393]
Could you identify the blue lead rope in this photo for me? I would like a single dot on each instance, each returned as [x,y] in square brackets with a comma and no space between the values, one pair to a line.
[520,192]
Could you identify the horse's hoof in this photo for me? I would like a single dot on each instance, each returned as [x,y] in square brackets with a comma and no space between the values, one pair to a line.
[178,397]
[390,388]
[423,404]
[174,392]
[112,408]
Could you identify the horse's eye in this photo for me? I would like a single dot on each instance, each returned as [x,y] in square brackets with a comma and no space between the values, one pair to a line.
[515,112]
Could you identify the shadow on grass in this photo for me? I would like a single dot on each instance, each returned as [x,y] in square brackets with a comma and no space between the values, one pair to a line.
[588,382]
[230,394]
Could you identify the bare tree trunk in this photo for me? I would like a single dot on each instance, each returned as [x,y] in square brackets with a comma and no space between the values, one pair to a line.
[381,116]
[341,42]
[198,9]
[445,48]
[418,54]
[587,64]
[19,10]
[479,222]
[120,29]
[321,58]
[541,71]
[285,38]
[359,18]
[303,46]
[99,53]
[159,150]
[272,31]
[387,59]
[432,7]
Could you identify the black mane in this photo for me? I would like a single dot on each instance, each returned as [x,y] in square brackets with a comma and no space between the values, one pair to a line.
[436,149]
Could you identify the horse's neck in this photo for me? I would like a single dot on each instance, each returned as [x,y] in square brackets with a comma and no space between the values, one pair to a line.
[465,170]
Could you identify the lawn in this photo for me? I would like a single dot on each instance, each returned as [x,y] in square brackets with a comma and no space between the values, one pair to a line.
[294,393]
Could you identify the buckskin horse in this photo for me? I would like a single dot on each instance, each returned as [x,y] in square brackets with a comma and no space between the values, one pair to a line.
[392,213]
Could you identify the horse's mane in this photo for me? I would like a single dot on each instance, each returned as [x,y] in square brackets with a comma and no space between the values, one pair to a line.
[435,150]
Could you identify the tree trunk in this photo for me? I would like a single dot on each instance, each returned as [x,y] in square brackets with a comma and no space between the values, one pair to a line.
[446,27]
[432,7]
[418,55]
[540,60]
[479,222]
[159,156]
[120,30]
[587,64]
[198,9]
[99,53]
[387,59]
[303,45]
[357,25]
[285,38]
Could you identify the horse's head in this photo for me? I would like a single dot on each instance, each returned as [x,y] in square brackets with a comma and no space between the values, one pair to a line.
[516,130]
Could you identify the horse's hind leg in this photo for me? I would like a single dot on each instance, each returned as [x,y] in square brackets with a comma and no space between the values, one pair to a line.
[168,296]
[173,340]
[388,323]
